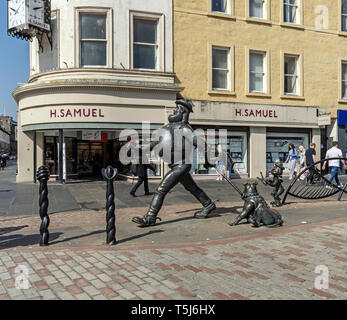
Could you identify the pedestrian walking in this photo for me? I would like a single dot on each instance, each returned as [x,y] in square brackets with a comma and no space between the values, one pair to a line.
[230,165]
[221,165]
[221,169]
[301,159]
[334,165]
[141,173]
[291,160]
[309,160]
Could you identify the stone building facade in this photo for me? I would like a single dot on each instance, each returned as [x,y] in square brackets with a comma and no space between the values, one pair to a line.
[270,72]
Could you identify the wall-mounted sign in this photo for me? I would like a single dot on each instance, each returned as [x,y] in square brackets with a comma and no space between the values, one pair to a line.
[75,112]
[257,113]
[324,120]
[90,114]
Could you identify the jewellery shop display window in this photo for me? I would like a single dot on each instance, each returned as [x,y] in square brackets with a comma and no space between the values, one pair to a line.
[277,145]
[236,147]
[154,159]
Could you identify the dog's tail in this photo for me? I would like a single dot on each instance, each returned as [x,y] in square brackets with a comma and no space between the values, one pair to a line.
[278,223]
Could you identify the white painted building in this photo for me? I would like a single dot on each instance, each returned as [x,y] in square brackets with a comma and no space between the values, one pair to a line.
[108,67]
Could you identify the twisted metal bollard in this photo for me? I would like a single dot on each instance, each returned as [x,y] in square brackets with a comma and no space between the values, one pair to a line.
[109,174]
[43,176]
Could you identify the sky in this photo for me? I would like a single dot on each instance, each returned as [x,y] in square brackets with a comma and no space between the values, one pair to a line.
[14,64]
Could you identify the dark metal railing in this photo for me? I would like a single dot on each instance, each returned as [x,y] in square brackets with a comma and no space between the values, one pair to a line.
[311,184]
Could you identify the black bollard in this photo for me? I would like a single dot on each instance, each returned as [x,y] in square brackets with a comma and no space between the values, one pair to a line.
[109,174]
[43,176]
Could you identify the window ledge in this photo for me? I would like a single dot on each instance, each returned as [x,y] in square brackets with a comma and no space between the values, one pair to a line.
[221,15]
[292,97]
[342,33]
[258,20]
[222,93]
[258,95]
[344,101]
[292,25]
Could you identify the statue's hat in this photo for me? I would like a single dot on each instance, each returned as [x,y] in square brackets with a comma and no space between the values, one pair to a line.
[186,103]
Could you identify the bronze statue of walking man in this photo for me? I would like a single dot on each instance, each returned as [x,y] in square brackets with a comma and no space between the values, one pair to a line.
[173,139]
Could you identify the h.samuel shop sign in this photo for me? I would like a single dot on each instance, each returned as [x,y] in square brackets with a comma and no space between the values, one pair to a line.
[90,114]
[243,113]
[72,112]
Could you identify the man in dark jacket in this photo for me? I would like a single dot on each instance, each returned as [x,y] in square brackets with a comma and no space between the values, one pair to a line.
[141,172]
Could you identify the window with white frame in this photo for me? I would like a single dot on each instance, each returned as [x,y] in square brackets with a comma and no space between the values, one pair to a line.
[220,68]
[344,80]
[291,74]
[145,43]
[257,75]
[220,6]
[257,9]
[344,15]
[290,11]
[93,40]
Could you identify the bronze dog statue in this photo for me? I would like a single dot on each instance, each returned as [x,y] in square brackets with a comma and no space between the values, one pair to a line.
[256,210]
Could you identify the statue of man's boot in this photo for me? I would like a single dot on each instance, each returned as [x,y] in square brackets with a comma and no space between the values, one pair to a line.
[205,211]
[149,219]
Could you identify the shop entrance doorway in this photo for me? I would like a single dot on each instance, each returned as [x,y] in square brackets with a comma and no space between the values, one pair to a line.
[90,158]
[86,158]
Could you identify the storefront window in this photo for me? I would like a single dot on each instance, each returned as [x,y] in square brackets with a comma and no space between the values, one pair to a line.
[70,150]
[86,158]
[236,147]
[277,147]
[51,154]
[90,158]
[154,159]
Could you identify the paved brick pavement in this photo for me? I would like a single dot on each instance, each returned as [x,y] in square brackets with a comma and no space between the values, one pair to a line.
[277,264]
[179,258]
[17,199]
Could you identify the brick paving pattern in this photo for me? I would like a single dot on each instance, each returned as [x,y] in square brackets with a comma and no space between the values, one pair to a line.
[277,266]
